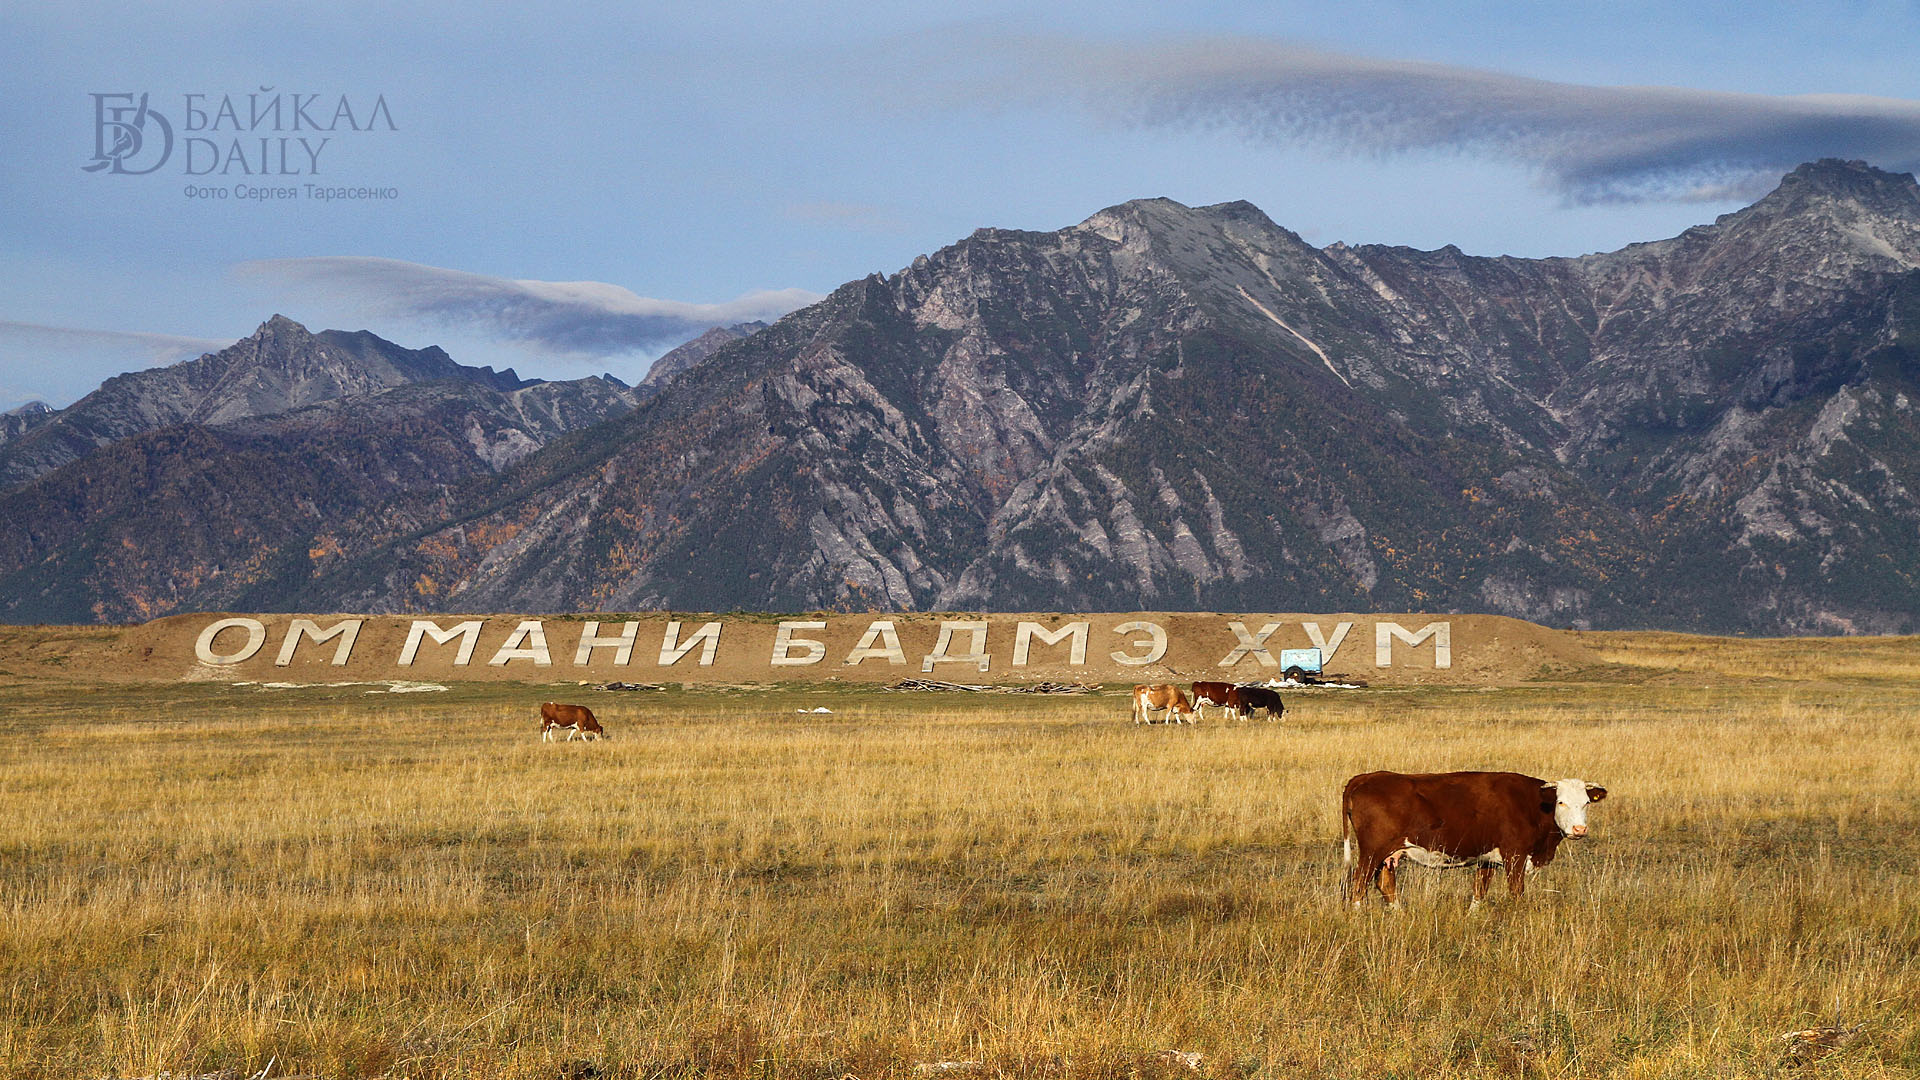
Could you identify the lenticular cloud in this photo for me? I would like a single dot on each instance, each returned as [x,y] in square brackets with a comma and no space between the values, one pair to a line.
[1591,143]
[578,317]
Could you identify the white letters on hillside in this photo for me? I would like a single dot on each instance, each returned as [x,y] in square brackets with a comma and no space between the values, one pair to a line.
[891,642]
[256,637]
[1384,634]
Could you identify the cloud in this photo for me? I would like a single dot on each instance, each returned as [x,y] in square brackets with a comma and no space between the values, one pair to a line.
[1590,143]
[58,363]
[19,337]
[586,318]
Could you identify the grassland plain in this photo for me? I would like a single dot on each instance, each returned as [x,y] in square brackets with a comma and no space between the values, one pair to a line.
[206,877]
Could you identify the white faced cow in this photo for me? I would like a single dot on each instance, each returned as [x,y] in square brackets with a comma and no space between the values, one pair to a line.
[1481,820]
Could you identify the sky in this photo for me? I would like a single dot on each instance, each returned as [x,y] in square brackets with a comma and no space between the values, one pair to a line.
[574,190]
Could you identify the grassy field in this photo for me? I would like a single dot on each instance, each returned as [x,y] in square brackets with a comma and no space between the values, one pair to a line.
[345,885]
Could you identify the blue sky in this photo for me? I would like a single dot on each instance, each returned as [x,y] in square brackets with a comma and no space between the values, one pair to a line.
[575,190]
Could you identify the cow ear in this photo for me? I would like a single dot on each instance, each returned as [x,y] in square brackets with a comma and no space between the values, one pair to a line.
[1595,793]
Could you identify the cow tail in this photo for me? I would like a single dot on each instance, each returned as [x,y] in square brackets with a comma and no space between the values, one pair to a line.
[1346,831]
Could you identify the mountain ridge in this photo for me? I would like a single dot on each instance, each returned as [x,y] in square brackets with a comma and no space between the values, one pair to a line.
[1172,407]
[280,366]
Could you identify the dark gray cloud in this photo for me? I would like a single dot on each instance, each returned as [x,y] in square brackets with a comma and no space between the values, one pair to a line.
[1591,143]
[584,318]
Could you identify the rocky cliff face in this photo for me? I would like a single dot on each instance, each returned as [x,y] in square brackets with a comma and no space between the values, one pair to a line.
[1175,407]
[676,360]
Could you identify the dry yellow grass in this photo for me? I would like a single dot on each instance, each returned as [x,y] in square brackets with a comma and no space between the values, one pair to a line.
[350,886]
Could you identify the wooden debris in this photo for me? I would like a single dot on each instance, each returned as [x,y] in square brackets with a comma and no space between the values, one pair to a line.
[629,686]
[1051,688]
[975,688]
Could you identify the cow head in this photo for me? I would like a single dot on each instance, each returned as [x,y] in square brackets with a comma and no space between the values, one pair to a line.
[1568,800]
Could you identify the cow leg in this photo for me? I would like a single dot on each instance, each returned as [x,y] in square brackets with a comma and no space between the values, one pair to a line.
[546,733]
[1482,878]
[1364,872]
[1517,877]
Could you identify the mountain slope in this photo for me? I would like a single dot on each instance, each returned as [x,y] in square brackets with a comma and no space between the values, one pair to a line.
[1077,419]
[678,359]
[240,514]
[1178,407]
[281,366]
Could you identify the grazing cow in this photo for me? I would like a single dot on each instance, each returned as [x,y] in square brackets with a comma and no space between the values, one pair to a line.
[1446,820]
[577,719]
[1246,699]
[1171,699]
[1211,693]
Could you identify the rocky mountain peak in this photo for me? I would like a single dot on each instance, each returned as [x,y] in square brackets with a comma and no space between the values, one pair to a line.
[1852,180]
[1163,215]
[287,354]
[280,324]
[280,367]
[1839,208]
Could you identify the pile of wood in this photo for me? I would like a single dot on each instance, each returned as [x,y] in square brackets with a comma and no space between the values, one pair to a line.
[975,688]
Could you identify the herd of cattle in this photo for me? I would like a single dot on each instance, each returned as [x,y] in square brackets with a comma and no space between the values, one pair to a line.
[1230,698]
[1484,821]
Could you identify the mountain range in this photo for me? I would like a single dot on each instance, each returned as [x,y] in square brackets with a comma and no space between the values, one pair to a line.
[1163,407]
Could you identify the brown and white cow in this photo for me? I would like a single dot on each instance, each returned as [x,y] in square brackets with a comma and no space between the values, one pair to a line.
[1459,819]
[1161,696]
[1245,700]
[1211,693]
[577,719]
